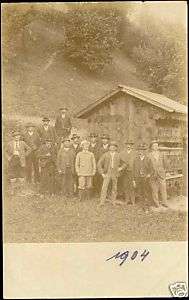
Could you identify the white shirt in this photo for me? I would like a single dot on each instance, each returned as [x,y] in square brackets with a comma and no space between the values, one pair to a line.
[46,127]
[142,157]
[112,159]
[63,116]
[30,133]
[128,151]
[93,145]
[105,146]
[16,147]
[75,146]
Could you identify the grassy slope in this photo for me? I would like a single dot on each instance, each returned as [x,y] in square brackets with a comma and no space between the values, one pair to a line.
[32,90]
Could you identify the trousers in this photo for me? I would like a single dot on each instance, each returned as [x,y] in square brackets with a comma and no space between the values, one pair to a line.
[106,182]
[32,165]
[158,185]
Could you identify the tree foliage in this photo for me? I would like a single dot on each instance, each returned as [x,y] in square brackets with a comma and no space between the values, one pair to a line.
[159,52]
[92,35]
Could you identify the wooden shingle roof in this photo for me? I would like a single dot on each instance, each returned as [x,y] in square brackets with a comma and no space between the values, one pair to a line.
[157,100]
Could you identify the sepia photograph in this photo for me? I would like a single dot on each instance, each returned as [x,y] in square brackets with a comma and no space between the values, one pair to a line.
[94,122]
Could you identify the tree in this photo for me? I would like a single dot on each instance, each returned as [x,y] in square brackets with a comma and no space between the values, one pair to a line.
[92,34]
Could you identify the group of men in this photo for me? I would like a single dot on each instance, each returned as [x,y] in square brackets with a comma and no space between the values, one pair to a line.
[60,163]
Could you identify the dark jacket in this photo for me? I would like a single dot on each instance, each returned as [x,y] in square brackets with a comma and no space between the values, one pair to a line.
[65,160]
[47,134]
[102,150]
[63,126]
[104,164]
[157,167]
[47,156]
[33,141]
[95,150]
[141,168]
[128,159]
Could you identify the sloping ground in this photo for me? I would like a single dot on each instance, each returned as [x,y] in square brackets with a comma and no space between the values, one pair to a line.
[39,83]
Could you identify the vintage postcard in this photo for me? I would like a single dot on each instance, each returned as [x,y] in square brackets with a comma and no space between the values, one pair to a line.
[94,127]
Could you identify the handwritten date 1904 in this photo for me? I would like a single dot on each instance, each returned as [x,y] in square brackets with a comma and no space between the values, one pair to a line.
[123,256]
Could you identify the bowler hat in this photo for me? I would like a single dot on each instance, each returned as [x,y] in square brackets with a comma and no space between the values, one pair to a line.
[154,142]
[93,135]
[129,142]
[45,119]
[63,108]
[30,125]
[75,136]
[142,147]
[16,133]
[113,143]
[105,136]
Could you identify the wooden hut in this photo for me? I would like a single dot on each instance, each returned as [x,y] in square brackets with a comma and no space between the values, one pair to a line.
[130,113]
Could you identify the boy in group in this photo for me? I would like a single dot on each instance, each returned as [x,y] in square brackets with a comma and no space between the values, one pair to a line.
[85,166]
[47,165]
[46,131]
[127,179]
[65,167]
[32,139]
[141,174]
[17,152]
[157,175]
[109,166]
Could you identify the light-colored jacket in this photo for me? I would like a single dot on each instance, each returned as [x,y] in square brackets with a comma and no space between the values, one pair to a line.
[85,163]
[23,151]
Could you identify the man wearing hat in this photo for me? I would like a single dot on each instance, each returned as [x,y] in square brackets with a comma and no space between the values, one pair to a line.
[66,167]
[109,166]
[63,123]
[127,179]
[47,154]
[32,139]
[46,131]
[76,148]
[85,166]
[104,147]
[17,151]
[157,175]
[94,148]
[141,171]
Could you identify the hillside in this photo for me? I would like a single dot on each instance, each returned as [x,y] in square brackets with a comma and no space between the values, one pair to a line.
[38,84]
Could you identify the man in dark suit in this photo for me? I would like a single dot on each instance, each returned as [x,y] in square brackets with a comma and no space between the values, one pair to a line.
[66,168]
[76,148]
[47,154]
[157,175]
[46,131]
[94,148]
[141,176]
[32,139]
[104,146]
[128,155]
[63,123]
[109,166]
